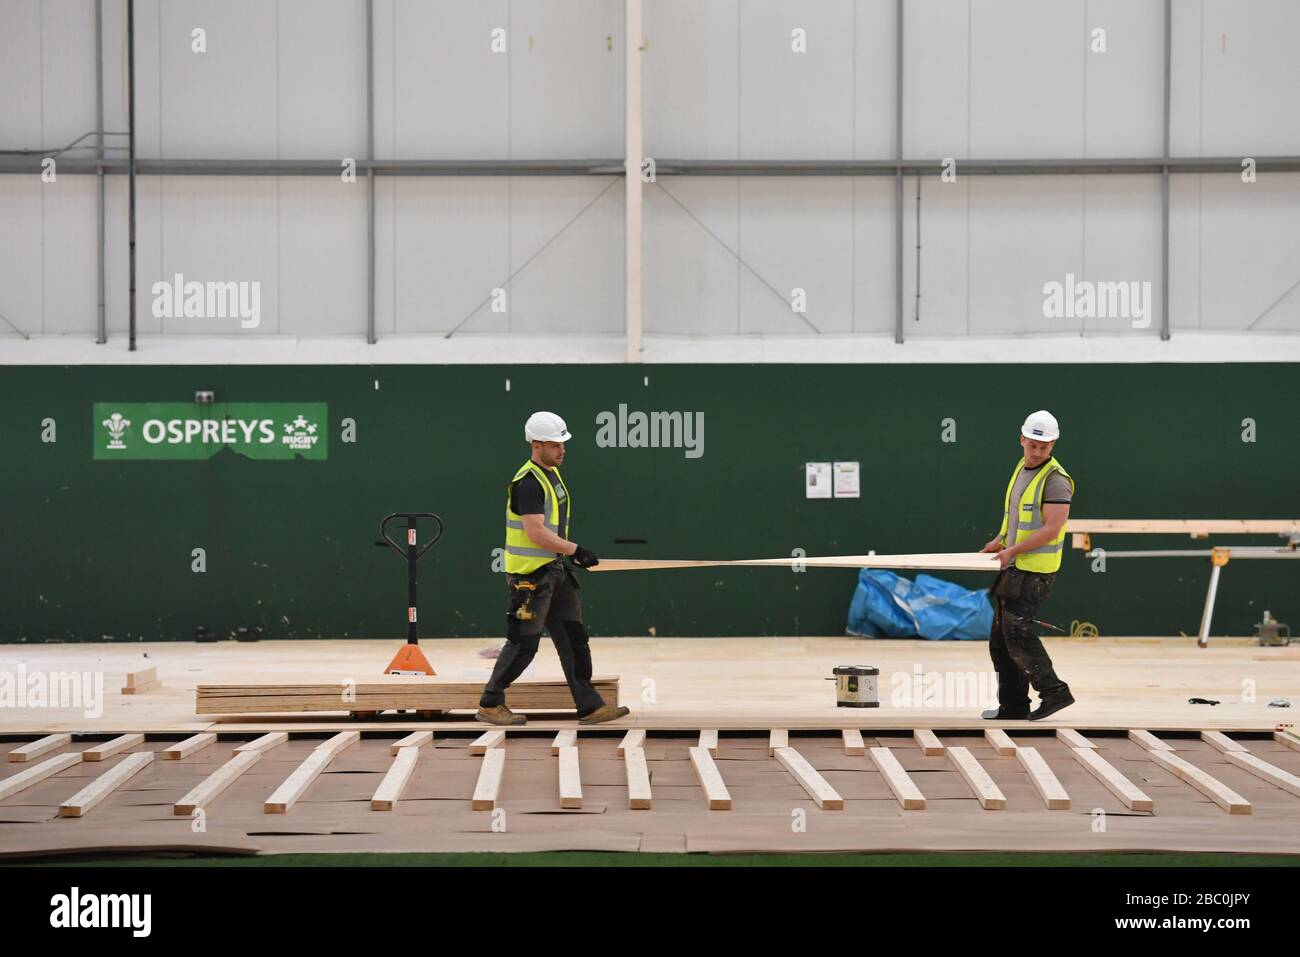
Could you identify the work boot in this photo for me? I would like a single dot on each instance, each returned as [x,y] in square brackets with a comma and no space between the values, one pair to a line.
[500,715]
[1050,704]
[1006,714]
[606,712]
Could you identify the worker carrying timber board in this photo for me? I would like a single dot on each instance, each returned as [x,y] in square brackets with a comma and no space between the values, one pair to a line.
[1029,550]
[543,587]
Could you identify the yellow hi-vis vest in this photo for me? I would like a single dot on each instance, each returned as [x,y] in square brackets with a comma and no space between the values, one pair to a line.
[523,555]
[1046,558]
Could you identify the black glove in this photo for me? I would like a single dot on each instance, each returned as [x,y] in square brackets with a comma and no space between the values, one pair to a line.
[585,557]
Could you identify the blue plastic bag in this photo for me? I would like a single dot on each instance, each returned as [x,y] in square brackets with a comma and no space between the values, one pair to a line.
[890,606]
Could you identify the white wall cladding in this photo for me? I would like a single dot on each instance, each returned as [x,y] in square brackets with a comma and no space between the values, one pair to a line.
[286,79]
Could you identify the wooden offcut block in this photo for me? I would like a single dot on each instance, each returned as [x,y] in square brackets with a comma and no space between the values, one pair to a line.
[187,747]
[930,744]
[109,748]
[1073,739]
[1001,741]
[818,788]
[706,772]
[973,773]
[295,785]
[211,787]
[570,778]
[138,682]
[899,781]
[489,780]
[564,739]
[416,739]
[633,739]
[487,740]
[638,780]
[1148,741]
[51,742]
[265,743]
[1211,787]
[104,785]
[1120,786]
[709,741]
[394,783]
[777,738]
[1044,781]
[853,744]
[37,773]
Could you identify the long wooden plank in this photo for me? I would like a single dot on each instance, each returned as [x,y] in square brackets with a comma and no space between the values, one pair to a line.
[1262,769]
[706,772]
[267,741]
[1211,787]
[638,780]
[567,738]
[104,785]
[416,739]
[1186,526]
[899,781]
[138,682]
[950,561]
[1148,740]
[973,773]
[1001,741]
[284,797]
[109,748]
[930,744]
[633,739]
[777,738]
[1120,786]
[394,783]
[487,741]
[1288,738]
[818,788]
[709,741]
[570,778]
[51,742]
[853,743]
[1221,741]
[1073,739]
[489,780]
[211,787]
[183,749]
[1044,781]
[37,773]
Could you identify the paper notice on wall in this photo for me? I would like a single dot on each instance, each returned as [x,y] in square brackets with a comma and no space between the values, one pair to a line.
[817,480]
[846,480]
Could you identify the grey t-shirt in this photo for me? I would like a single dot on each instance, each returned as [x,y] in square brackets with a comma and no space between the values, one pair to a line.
[1057,491]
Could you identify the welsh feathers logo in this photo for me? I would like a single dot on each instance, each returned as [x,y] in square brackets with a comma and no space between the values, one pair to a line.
[117,427]
[300,434]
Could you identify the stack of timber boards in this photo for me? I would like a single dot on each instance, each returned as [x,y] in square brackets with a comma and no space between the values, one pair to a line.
[386,693]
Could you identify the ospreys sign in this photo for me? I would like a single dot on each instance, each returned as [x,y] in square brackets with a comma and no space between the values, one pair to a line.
[183,430]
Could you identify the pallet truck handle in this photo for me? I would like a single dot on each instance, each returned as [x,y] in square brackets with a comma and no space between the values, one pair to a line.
[412,516]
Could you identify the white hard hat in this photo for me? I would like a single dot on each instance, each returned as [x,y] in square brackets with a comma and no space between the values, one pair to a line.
[546,427]
[1041,426]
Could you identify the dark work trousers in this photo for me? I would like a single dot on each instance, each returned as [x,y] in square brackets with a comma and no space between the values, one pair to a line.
[1018,653]
[552,603]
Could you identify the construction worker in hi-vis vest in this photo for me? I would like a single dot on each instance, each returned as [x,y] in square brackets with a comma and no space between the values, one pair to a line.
[543,587]
[1028,547]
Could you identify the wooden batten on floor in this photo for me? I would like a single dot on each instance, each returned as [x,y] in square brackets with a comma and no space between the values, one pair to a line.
[1211,787]
[633,739]
[1262,769]
[489,780]
[1073,739]
[119,744]
[183,749]
[709,741]
[853,743]
[1288,738]
[899,781]
[973,773]
[37,773]
[1001,742]
[706,772]
[638,780]
[1221,742]
[1120,786]
[818,788]
[394,783]
[211,787]
[138,682]
[570,778]
[564,739]
[929,742]
[777,738]
[295,785]
[1044,781]
[416,739]
[104,785]
[51,742]
[487,741]
[267,741]
[1148,741]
